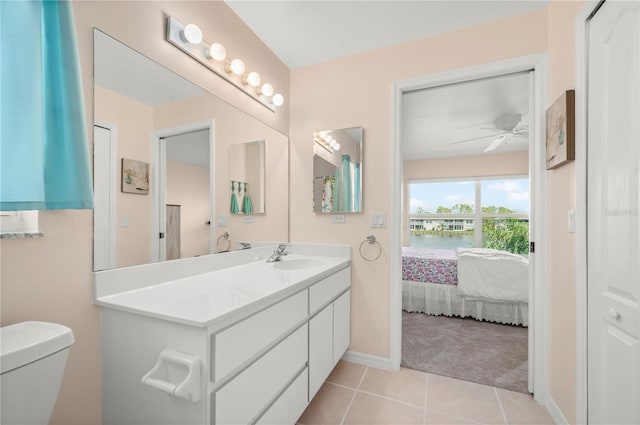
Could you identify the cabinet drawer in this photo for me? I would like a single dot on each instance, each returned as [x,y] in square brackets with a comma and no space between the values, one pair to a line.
[240,342]
[248,394]
[328,288]
[290,405]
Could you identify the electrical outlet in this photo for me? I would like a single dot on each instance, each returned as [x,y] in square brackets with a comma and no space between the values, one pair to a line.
[247,219]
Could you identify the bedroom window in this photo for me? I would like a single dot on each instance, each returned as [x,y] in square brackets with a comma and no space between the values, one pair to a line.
[492,213]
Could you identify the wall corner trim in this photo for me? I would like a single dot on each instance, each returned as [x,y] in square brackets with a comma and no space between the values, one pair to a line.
[367,360]
[555,412]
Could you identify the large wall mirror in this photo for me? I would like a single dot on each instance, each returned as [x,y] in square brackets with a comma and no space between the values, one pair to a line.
[337,170]
[165,155]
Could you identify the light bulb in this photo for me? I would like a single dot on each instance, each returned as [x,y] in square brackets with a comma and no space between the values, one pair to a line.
[191,34]
[216,51]
[266,89]
[278,99]
[337,146]
[236,66]
[253,79]
[323,134]
[329,139]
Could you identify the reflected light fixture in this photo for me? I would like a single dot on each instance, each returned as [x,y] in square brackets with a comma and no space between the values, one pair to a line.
[324,139]
[277,99]
[189,39]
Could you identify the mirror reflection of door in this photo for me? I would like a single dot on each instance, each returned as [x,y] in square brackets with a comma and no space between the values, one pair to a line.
[185,175]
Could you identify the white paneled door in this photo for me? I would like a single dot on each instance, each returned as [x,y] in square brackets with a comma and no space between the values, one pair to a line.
[613,184]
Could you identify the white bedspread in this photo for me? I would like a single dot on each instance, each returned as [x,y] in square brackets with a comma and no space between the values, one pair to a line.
[492,275]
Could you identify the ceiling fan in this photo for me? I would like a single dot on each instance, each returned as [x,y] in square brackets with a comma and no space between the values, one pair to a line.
[505,125]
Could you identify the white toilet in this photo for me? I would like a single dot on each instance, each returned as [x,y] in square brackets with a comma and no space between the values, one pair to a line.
[33,357]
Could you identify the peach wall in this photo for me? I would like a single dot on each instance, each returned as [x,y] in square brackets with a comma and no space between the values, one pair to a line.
[188,186]
[135,124]
[562,244]
[356,91]
[51,278]
[509,164]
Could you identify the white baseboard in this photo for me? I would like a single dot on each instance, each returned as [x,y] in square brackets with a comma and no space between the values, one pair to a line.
[367,360]
[555,412]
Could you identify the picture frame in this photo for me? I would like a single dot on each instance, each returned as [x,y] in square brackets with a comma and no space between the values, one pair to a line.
[135,177]
[560,132]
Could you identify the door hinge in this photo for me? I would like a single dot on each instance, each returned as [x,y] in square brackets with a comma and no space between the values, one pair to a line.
[532,247]
[161,235]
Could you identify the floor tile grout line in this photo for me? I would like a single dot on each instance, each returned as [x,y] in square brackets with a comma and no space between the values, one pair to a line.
[366,369]
[346,412]
[462,418]
[377,395]
[355,393]
[504,414]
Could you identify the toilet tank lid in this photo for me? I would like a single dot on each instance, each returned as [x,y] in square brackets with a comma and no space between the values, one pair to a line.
[26,342]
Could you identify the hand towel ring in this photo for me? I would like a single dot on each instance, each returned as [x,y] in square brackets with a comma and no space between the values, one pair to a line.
[370,239]
[225,235]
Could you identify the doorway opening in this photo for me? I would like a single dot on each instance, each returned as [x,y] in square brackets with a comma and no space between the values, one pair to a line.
[507,126]
[184,193]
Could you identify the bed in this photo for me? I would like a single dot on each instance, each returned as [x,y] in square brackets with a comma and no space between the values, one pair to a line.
[481,283]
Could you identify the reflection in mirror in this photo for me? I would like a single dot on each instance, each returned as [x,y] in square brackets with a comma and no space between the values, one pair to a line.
[337,170]
[146,113]
[246,173]
[187,189]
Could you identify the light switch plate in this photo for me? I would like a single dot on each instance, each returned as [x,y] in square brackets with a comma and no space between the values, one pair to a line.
[337,218]
[378,220]
[124,221]
[222,221]
[247,219]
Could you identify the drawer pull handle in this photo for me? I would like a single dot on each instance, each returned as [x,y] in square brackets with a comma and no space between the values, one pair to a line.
[177,374]
[614,314]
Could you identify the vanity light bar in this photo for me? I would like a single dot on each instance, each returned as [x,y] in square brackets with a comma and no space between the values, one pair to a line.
[188,38]
[324,139]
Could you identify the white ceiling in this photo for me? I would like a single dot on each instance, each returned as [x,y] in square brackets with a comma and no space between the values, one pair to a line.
[302,32]
[191,148]
[435,119]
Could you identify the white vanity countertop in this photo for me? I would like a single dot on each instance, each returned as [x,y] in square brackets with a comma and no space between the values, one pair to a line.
[212,298]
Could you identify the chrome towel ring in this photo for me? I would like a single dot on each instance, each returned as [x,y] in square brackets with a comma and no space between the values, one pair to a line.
[370,240]
[225,236]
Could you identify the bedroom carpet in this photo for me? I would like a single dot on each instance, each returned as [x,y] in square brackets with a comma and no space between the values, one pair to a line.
[482,352]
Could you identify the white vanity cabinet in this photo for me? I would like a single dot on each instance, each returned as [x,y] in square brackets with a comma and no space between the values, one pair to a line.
[258,365]
[329,326]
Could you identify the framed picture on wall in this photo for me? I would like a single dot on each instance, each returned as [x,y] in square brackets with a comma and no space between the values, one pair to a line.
[560,146]
[135,176]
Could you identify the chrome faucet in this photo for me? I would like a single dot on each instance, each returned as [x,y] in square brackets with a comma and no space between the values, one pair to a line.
[278,253]
[245,245]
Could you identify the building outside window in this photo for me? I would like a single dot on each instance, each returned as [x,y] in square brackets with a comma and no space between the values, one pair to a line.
[492,213]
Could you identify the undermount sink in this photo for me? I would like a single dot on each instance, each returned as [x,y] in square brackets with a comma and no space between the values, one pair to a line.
[297,264]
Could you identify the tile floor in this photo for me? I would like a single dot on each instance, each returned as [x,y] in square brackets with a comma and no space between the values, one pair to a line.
[356,394]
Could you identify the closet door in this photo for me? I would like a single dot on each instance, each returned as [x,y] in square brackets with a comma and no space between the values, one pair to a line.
[613,184]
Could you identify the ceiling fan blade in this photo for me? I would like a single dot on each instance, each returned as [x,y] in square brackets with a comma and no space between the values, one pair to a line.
[477,138]
[495,143]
